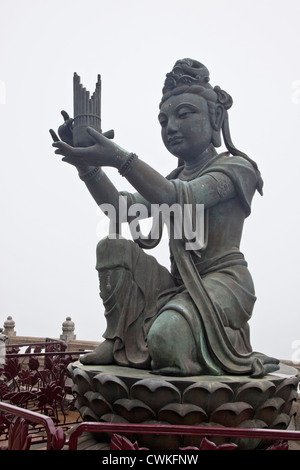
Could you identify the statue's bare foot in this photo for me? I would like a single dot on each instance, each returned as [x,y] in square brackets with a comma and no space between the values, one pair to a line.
[102,355]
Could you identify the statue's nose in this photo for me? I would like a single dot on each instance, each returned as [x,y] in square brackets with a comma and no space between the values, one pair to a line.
[172,126]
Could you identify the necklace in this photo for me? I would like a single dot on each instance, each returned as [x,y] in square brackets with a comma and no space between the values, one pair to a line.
[193,170]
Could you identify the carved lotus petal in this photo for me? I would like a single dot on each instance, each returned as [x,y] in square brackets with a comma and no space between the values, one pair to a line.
[281,421]
[82,380]
[269,410]
[232,414]
[98,403]
[80,399]
[113,418]
[87,414]
[155,393]
[246,442]
[253,424]
[291,404]
[88,441]
[159,442]
[112,388]
[208,396]
[255,393]
[284,389]
[177,413]
[134,410]
[196,440]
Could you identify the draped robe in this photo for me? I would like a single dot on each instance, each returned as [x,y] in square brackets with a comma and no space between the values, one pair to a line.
[210,287]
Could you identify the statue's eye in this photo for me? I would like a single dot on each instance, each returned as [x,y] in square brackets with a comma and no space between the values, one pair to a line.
[184,113]
[163,122]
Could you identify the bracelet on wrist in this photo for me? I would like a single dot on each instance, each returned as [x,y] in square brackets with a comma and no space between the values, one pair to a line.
[127,165]
[90,174]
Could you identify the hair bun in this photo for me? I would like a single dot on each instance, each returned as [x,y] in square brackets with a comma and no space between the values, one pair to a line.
[223,97]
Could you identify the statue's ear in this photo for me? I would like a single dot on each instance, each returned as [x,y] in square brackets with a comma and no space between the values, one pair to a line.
[217,120]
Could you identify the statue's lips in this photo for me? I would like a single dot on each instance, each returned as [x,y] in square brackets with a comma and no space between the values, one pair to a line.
[175,141]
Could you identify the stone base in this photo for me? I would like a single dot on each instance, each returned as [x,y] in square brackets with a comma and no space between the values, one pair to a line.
[121,394]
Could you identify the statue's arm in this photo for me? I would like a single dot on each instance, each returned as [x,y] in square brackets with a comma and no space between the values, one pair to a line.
[212,188]
[149,183]
[100,186]
[104,192]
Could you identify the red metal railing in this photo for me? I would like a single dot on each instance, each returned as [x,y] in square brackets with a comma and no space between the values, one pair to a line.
[56,438]
[162,429]
[33,417]
[38,379]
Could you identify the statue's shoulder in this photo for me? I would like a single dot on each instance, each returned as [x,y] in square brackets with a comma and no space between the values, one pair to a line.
[235,166]
[174,174]
[227,158]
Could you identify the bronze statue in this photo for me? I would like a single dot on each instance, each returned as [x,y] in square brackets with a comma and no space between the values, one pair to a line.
[192,320]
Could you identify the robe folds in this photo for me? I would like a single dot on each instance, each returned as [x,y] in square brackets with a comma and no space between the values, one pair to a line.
[211,287]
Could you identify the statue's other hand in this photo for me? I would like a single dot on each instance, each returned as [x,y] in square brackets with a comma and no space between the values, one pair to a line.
[54,136]
[79,165]
[72,155]
[63,148]
[65,131]
[104,152]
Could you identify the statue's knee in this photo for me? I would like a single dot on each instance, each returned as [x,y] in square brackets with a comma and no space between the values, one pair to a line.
[172,347]
[114,259]
[112,244]
[166,330]
[113,252]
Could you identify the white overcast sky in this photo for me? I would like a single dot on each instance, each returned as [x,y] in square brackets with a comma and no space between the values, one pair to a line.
[49,223]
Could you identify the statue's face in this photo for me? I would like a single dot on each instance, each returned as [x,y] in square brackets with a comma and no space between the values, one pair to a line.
[185,125]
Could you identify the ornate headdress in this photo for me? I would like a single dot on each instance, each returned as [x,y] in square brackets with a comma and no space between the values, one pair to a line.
[187,72]
[190,76]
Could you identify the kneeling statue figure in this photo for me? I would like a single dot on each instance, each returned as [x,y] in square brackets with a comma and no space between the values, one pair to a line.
[193,319]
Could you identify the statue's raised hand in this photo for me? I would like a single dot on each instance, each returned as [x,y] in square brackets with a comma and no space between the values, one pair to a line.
[104,152]
[65,131]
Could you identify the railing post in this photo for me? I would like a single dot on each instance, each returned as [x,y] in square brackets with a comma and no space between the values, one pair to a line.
[3,338]
[68,328]
[9,327]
